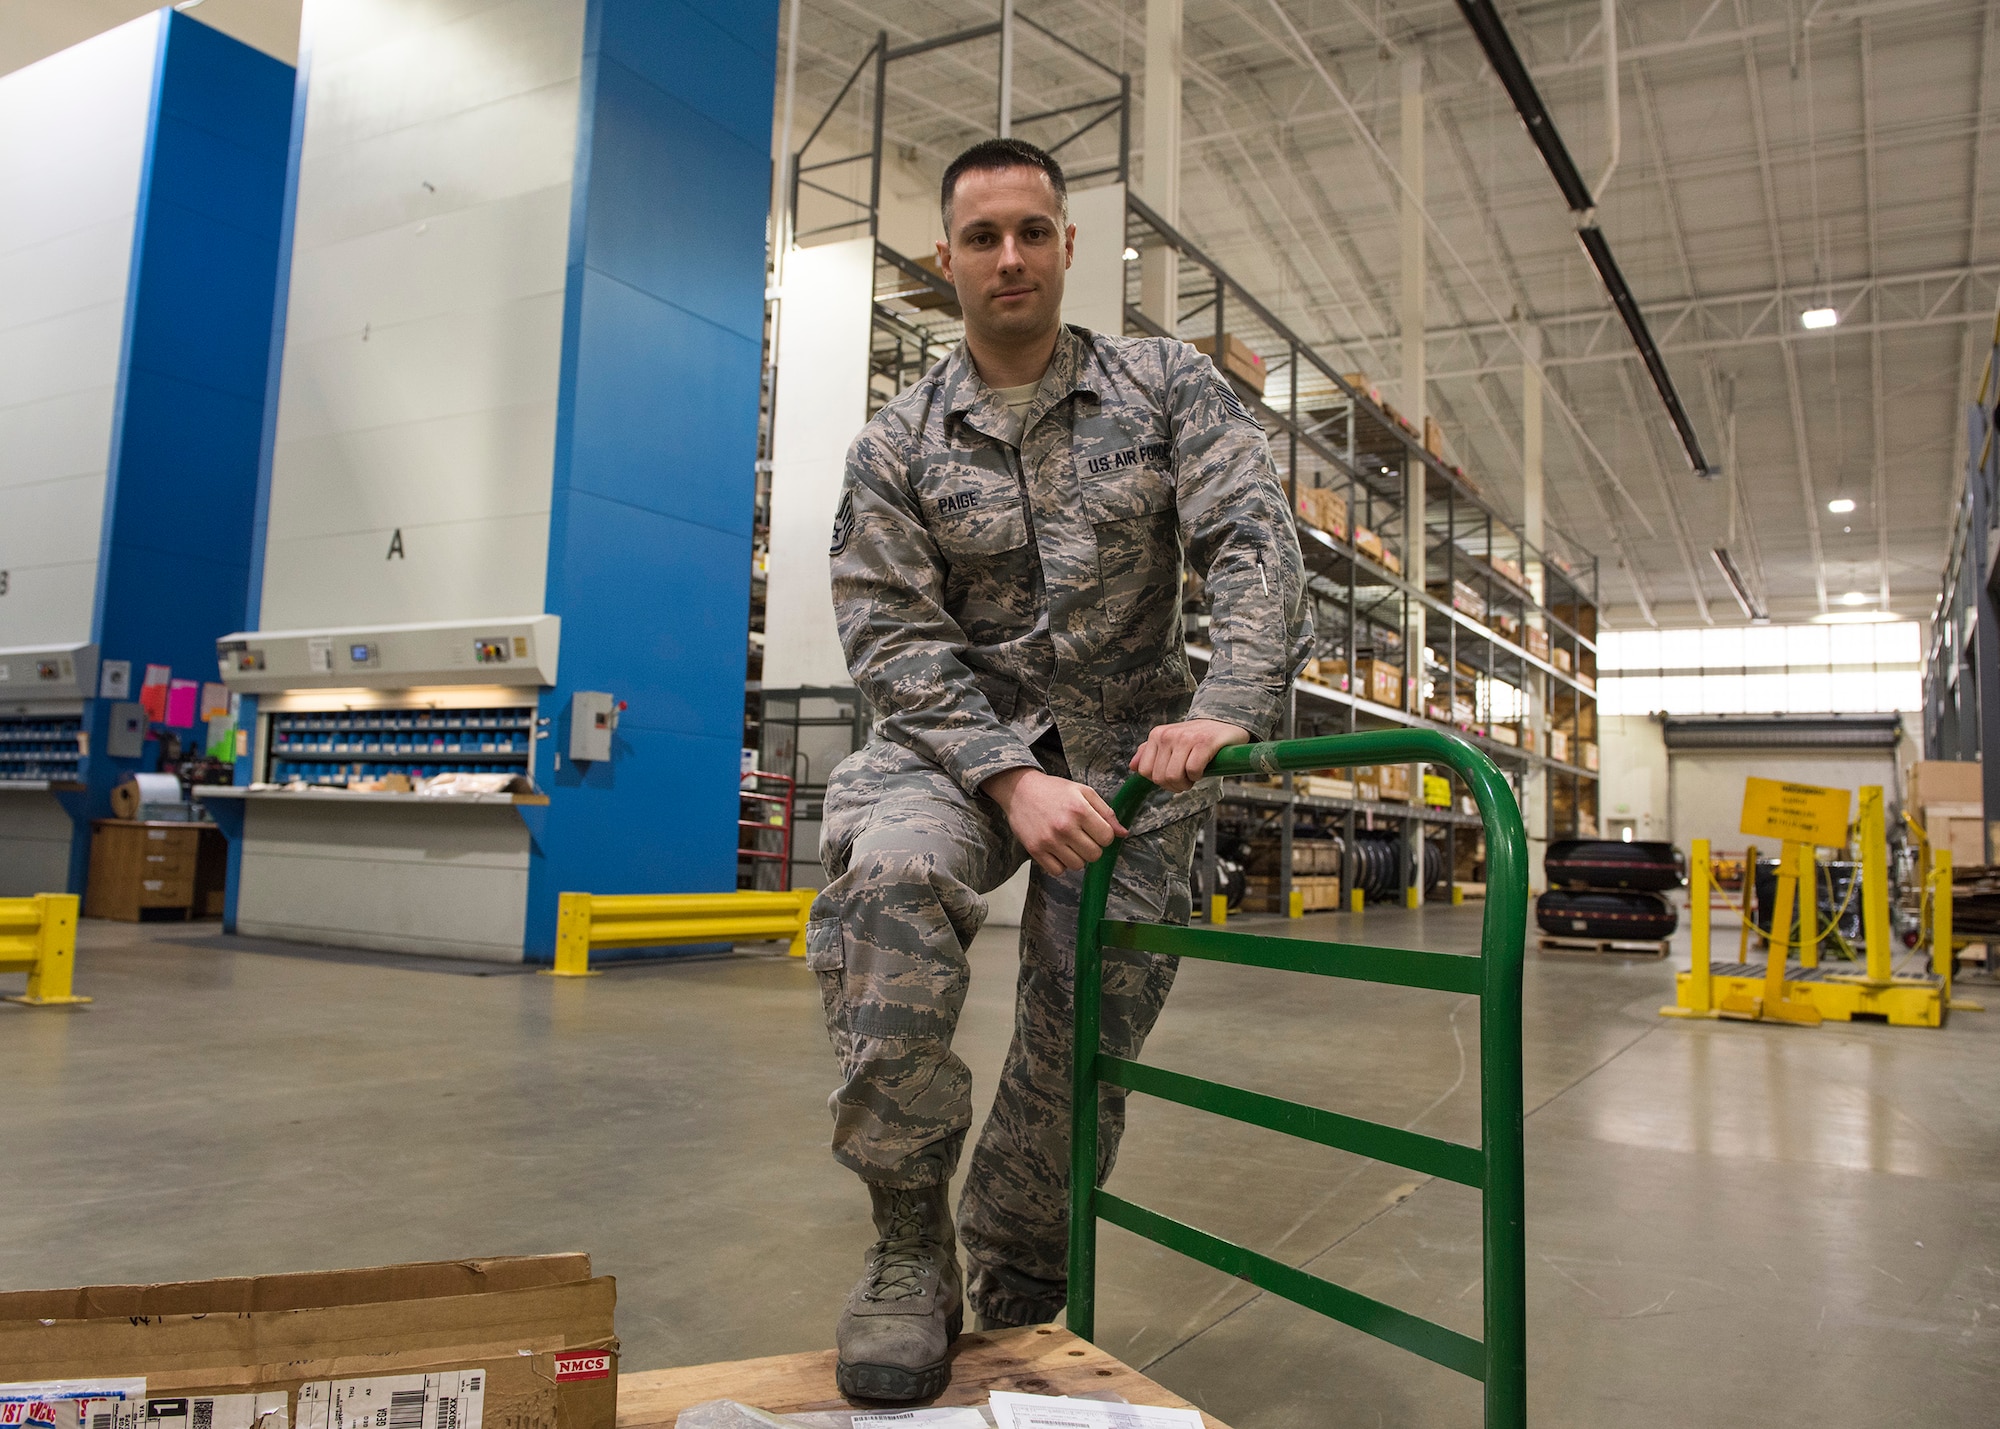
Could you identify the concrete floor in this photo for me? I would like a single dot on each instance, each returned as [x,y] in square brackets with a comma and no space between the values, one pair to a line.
[1728,1224]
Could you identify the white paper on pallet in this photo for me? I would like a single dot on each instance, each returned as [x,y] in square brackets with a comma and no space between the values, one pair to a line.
[268,1410]
[446,1399]
[1039,1411]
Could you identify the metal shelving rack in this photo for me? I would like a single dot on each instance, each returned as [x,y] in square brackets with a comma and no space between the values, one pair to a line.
[1509,630]
[1962,664]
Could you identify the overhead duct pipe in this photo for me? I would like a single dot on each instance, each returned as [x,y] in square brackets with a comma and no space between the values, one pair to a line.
[1506,61]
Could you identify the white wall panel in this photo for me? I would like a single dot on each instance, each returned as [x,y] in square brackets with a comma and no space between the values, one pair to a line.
[822,402]
[1707,786]
[72,144]
[461,570]
[424,323]
[34,844]
[448,882]
[1094,289]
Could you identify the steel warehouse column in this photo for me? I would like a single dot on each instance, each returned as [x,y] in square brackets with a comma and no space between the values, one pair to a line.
[1535,779]
[1415,407]
[1160,177]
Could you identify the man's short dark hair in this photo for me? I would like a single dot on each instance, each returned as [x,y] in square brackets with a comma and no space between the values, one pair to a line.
[1002,154]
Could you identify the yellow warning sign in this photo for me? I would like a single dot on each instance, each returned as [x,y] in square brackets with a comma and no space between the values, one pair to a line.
[1803,813]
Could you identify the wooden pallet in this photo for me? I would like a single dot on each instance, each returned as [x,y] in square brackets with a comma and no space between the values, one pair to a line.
[1040,1360]
[1611,947]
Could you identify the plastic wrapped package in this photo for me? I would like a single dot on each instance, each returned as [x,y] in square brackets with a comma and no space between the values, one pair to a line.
[728,1414]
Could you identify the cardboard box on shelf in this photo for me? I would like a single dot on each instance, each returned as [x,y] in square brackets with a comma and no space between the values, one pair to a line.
[1368,543]
[1329,671]
[1465,599]
[1504,734]
[1319,891]
[1394,782]
[1360,383]
[1945,781]
[1559,745]
[1564,661]
[1324,786]
[1237,359]
[1391,560]
[1379,681]
[1587,754]
[1433,437]
[512,1341]
[1511,570]
[1324,509]
[1960,828]
[1537,642]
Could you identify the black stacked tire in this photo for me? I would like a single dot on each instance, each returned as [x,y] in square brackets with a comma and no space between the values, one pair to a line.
[1610,913]
[1608,863]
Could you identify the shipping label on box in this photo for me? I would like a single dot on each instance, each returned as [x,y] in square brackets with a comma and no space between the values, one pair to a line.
[74,1404]
[451,1399]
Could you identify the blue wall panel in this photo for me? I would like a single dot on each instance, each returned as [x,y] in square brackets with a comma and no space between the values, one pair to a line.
[649,533]
[183,480]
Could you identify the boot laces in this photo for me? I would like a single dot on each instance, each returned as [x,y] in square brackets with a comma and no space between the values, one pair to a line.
[903,1255]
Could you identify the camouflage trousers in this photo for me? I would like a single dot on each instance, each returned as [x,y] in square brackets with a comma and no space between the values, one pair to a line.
[910,856]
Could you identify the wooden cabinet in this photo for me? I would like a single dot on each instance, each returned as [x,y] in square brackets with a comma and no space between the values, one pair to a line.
[136,867]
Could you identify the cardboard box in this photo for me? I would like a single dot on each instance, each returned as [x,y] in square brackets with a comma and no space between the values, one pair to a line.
[1379,681]
[1943,781]
[1537,642]
[1324,509]
[521,1342]
[1391,560]
[1466,600]
[1587,754]
[1559,745]
[1394,782]
[1433,437]
[1564,661]
[1360,383]
[1237,360]
[1961,828]
[1320,892]
[1324,786]
[1368,543]
[1504,734]
[1511,570]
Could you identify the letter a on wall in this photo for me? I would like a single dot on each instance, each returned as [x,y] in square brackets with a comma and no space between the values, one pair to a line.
[396,547]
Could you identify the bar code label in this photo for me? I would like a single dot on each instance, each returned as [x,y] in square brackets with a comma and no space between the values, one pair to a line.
[452,1399]
[216,1411]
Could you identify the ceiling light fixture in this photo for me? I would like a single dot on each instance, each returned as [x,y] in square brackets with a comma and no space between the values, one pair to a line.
[1818,318]
[1740,588]
[1131,255]
[1840,505]
[1854,597]
[1855,617]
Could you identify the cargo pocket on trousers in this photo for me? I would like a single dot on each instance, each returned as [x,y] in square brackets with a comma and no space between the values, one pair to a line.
[826,955]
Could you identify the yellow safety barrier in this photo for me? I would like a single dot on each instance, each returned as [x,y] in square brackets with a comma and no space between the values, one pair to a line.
[38,937]
[1804,992]
[647,920]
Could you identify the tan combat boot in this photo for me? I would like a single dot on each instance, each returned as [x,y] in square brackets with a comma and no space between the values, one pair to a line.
[895,1334]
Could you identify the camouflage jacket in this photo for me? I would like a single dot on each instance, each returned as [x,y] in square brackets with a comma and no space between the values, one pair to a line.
[985,593]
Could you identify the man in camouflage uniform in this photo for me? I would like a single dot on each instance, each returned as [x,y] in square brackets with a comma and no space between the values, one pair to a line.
[1007,567]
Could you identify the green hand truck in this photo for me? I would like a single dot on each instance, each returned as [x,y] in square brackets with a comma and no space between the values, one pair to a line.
[1494,1167]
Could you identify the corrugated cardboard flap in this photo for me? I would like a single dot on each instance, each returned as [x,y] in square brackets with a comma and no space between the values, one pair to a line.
[318,1289]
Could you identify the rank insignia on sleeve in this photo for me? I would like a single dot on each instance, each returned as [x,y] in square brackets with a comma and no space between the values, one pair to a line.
[843,523]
